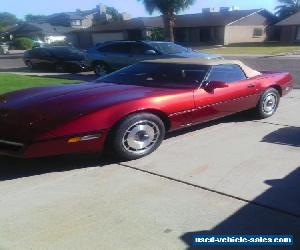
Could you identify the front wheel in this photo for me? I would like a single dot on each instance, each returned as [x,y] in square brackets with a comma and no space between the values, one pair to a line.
[268,103]
[137,136]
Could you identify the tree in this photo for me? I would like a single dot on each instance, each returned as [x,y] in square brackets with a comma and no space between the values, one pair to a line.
[157,34]
[168,8]
[116,16]
[6,20]
[287,8]
[35,18]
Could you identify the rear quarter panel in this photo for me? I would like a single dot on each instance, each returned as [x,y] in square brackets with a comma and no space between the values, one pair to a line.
[283,81]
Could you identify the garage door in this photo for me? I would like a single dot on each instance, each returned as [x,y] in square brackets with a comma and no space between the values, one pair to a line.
[104,37]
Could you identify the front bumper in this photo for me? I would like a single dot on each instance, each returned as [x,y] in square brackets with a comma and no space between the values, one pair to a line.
[56,146]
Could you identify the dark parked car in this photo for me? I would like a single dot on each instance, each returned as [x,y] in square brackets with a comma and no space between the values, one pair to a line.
[110,56]
[60,58]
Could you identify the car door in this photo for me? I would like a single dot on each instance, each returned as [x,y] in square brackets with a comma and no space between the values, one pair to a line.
[46,58]
[116,55]
[35,56]
[233,92]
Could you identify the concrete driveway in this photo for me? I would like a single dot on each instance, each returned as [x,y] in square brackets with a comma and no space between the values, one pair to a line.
[232,176]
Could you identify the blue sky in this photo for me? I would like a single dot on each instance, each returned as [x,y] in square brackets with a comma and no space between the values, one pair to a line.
[135,8]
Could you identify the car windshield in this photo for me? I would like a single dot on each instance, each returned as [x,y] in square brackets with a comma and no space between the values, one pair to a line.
[169,48]
[159,75]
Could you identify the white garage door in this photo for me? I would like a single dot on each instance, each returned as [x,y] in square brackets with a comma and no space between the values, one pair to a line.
[104,37]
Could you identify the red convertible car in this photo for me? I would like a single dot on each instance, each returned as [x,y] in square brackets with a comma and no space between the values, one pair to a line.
[129,111]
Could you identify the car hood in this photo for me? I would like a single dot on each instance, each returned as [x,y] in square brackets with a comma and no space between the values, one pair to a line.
[28,112]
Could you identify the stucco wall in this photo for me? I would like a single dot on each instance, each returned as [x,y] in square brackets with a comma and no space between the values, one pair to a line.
[242,31]
[244,34]
[87,21]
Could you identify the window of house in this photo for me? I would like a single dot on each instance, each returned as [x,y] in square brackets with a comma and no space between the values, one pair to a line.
[76,22]
[226,73]
[298,34]
[257,32]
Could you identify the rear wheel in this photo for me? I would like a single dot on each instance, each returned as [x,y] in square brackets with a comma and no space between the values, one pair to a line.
[101,69]
[268,103]
[137,136]
[29,64]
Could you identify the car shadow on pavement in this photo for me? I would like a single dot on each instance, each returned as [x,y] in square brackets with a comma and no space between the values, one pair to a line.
[276,211]
[14,168]
[289,136]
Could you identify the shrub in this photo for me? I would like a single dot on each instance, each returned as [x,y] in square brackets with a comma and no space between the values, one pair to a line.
[157,34]
[23,43]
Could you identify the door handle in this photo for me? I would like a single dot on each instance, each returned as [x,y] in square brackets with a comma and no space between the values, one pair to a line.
[251,85]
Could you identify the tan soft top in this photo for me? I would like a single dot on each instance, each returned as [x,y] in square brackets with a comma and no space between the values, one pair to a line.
[211,62]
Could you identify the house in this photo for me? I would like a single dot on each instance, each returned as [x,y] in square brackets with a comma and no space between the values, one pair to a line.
[81,19]
[209,27]
[56,26]
[224,27]
[40,31]
[290,29]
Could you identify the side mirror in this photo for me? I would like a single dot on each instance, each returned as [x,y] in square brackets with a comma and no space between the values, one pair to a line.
[150,52]
[211,86]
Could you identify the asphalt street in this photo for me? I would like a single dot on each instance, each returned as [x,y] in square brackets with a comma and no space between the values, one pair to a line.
[14,63]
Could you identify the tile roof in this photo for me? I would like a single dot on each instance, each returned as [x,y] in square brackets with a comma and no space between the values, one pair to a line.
[190,20]
[45,28]
[292,20]
[75,15]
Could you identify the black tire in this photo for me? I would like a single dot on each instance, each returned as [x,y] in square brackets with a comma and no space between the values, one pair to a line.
[101,69]
[268,103]
[29,65]
[144,130]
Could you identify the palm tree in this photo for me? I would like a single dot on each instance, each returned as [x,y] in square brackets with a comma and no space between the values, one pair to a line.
[287,8]
[168,8]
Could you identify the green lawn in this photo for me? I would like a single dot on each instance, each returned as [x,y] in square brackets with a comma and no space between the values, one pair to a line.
[254,49]
[10,82]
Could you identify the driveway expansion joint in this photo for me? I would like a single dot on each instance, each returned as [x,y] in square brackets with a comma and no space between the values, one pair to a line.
[275,124]
[278,210]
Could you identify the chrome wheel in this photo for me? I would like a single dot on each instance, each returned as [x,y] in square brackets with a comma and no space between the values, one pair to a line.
[141,136]
[270,103]
[101,70]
